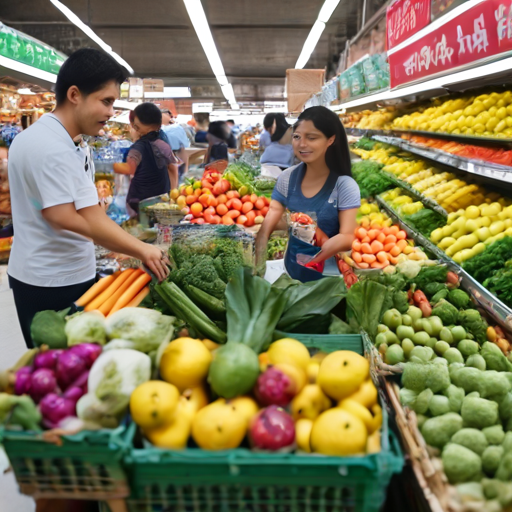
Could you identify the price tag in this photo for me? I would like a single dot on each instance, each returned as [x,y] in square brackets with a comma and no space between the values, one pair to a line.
[470,167]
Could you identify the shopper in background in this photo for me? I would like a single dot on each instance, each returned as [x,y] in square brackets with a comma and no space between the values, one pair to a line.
[150,160]
[55,208]
[176,135]
[202,122]
[280,151]
[232,142]
[218,137]
[321,184]
[265,138]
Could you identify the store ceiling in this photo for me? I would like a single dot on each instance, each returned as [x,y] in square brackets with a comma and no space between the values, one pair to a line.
[257,40]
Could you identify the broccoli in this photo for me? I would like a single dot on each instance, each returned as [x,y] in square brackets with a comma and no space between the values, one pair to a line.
[435,273]
[447,312]
[401,302]
[461,464]
[430,289]
[441,294]
[459,298]
[48,328]
[473,322]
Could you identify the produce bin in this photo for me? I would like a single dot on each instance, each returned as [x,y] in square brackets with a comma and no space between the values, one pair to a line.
[326,342]
[88,465]
[195,480]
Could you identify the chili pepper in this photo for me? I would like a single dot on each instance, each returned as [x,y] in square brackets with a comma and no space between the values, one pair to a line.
[419,297]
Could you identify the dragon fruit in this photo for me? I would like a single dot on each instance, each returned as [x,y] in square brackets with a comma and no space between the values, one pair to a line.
[274,387]
[272,429]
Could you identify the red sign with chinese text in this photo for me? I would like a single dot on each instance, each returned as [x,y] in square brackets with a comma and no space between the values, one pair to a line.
[404,18]
[481,32]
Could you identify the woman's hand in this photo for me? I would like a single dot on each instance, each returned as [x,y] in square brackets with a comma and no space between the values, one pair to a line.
[156,260]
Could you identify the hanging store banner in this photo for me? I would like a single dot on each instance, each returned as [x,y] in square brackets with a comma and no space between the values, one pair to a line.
[404,18]
[481,32]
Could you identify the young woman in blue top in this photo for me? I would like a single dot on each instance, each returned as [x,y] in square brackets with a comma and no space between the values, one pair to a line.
[280,151]
[322,184]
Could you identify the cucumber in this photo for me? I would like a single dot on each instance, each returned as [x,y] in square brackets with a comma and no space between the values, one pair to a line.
[205,300]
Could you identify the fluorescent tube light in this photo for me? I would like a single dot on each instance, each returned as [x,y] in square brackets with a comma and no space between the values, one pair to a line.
[235,106]
[324,16]
[129,105]
[71,16]
[170,92]
[27,70]
[228,92]
[200,23]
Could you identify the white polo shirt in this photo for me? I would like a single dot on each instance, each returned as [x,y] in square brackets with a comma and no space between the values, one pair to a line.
[47,169]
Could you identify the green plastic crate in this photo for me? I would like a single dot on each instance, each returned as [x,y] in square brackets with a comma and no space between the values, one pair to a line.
[87,465]
[326,342]
[195,480]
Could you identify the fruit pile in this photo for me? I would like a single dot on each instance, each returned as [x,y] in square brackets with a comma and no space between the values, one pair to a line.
[370,120]
[496,155]
[214,200]
[298,401]
[369,216]
[468,232]
[487,115]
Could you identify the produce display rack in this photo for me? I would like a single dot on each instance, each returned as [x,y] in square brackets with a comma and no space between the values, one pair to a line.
[500,312]
[477,167]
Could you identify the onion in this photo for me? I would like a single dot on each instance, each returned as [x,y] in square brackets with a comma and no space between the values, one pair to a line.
[81,382]
[74,393]
[23,378]
[89,352]
[47,359]
[272,429]
[42,382]
[69,367]
[55,408]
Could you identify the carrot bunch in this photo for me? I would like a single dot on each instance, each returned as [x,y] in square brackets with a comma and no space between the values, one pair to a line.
[122,289]
[378,248]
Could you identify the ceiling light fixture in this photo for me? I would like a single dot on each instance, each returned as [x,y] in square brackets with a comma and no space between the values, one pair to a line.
[71,16]
[27,70]
[200,23]
[170,92]
[324,15]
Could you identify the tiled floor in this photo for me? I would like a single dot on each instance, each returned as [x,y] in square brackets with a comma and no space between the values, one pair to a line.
[12,347]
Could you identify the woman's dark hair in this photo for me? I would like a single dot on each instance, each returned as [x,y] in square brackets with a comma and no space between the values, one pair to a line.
[148,114]
[337,156]
[268,121]
[220,129]
[281,127]
[88,69]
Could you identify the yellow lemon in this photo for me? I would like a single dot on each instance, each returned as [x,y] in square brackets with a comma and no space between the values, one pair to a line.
[245,405]
[185,363]
[289,351]
[337,432]
[309,403]
[303,429]
[341,373]
[366,394]
[358,410]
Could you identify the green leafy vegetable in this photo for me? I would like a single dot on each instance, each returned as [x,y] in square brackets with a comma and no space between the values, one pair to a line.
[371,180]
[253,309]
[473,322]
[365,143]
[430,274]
[459,298]
[500,284]
[86,327]
[487,263]
[48,328]
[425,221]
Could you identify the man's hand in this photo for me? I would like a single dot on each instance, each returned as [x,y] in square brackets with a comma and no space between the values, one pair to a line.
[156,260]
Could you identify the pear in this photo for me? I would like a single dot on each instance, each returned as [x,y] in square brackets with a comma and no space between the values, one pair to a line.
[310,403]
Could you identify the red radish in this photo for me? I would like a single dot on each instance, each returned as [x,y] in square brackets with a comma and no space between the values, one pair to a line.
[274,387]
[272,429]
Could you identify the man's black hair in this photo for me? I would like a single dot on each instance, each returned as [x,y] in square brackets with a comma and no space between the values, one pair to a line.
[268,121]
[281,127]
[148,114]
[89,70]
[230,121]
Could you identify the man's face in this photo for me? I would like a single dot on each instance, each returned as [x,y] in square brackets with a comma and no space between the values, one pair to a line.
[94,110]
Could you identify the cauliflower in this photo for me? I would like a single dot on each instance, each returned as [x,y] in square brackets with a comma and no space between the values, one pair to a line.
[455,397]
[479,412]
[491,459]
[494,434]
[461,464]
[447,312]
[472,439]
[459,298]
[439,430]
[86,328]
[147,328]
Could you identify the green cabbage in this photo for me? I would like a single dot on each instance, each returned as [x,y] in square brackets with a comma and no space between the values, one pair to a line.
[146,328]
[86,328]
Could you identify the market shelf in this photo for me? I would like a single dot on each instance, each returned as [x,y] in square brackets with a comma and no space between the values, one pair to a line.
[500,312]
[476,167]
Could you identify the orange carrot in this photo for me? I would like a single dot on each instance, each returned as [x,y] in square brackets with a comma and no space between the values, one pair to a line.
[356,256]
[373,234]
[96,289]
[361,233]
[381,237]
[138,298]
[388,247]
[110,302]
[366,240]
[102,297]
[363,265]
[376,246]
[395,251]
[378,264]
[356,245]
[402,244]
[369,258]
[382,256]
[401,235]
[390,239]
[366,248]
[132,291]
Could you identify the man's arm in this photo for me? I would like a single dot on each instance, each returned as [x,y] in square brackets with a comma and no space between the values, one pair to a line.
[92,222]
[173,175]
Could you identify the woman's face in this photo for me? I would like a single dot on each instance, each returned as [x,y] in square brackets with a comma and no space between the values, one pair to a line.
[309,143]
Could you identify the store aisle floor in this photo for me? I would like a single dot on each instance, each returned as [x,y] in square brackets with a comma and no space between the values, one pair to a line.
[12,347]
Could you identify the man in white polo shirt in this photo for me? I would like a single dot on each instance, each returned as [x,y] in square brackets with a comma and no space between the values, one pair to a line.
[56,216]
